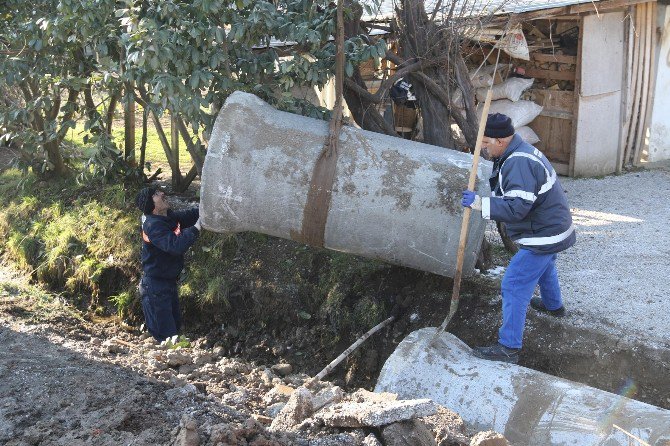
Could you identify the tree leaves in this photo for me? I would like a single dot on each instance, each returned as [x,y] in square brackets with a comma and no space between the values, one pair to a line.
[187,56]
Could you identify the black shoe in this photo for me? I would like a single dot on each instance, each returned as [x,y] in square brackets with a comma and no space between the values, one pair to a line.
[537,303]
[497,352]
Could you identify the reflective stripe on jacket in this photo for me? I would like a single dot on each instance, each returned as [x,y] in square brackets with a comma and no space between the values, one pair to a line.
[528,197]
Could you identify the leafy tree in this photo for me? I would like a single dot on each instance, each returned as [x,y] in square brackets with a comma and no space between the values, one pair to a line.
[50,52]
[188,57]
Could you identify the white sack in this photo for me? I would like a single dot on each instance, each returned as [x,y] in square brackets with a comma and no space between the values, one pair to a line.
[514,43]
[527,134]
[521,112]
[511,89]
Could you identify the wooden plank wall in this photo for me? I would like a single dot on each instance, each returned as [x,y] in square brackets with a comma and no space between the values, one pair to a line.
[554,126]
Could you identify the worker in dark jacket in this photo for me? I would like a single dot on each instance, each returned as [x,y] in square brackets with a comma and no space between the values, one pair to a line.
[529,199]
[166,235]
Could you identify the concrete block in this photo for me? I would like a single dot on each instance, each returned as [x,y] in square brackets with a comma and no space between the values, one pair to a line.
[374,414]
[298,408]
[408,433]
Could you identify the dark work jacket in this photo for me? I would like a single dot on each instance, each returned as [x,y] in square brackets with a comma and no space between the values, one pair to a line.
[528,197]
[165,240]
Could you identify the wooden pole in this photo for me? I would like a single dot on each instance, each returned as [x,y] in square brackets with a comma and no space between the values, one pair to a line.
[646,117]
[628,85]
[645,84]
[455,294]
[348,351]
[637,77]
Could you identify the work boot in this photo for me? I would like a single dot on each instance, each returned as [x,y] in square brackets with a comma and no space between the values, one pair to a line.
[497,352]
[537,303]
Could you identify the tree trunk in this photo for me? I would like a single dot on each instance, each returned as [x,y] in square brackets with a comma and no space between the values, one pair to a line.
[56,158]
[420,40]
[129,125]
[365,112]
[362,110]
[109,119]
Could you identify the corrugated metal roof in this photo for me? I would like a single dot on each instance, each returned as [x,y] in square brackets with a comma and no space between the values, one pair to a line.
[479,7]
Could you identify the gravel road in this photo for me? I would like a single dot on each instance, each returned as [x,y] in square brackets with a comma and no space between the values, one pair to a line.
[616,277]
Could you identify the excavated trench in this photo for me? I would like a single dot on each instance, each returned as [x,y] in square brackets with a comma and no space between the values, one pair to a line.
[581,354]
[554,346]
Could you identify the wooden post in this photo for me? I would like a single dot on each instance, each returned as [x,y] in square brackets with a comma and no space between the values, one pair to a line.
[635,86]
[576,100]
[626,92]
[641,126]
[649,91]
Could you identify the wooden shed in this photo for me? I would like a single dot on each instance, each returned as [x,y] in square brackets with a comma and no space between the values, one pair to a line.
[600,123]
[595,63]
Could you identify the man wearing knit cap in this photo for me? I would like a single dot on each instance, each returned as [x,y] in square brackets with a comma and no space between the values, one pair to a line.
[166,236]
[529,199]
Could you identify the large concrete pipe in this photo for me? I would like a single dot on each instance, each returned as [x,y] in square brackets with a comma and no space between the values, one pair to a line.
[392,199]
[528,407]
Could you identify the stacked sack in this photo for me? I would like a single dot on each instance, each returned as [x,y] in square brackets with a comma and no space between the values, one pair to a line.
[506,99]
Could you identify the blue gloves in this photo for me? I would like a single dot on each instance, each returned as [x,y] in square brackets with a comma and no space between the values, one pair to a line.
[471,200]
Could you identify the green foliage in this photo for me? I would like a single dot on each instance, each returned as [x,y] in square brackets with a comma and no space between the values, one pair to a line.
[155,154]
[71,237]
[50,52]
[206,282]
[123,303]
[63,60]
[177,341]
[191,56]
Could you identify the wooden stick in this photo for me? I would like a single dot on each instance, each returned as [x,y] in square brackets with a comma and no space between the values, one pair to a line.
[646,117]
[628,84]
[633,87]
[347,352]
[639,440]
[576,101]
[455,294]
[645,82]
[637,76]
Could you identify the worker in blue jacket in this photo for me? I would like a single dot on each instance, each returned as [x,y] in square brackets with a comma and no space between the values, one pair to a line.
[529,199]
[166,236]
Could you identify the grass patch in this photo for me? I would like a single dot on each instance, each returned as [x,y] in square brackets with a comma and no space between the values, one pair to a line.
[207,282]
[80,239]
[33,303]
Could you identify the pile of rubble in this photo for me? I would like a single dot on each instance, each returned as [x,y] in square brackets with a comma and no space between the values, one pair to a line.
[67,381]
[272,405]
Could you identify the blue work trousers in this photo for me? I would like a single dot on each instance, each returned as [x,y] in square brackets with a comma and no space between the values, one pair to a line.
[525,271]
[160,304]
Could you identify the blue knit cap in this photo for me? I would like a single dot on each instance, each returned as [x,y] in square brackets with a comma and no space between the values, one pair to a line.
[498,126]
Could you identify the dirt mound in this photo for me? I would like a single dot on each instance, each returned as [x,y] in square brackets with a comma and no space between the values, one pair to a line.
[66,381]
